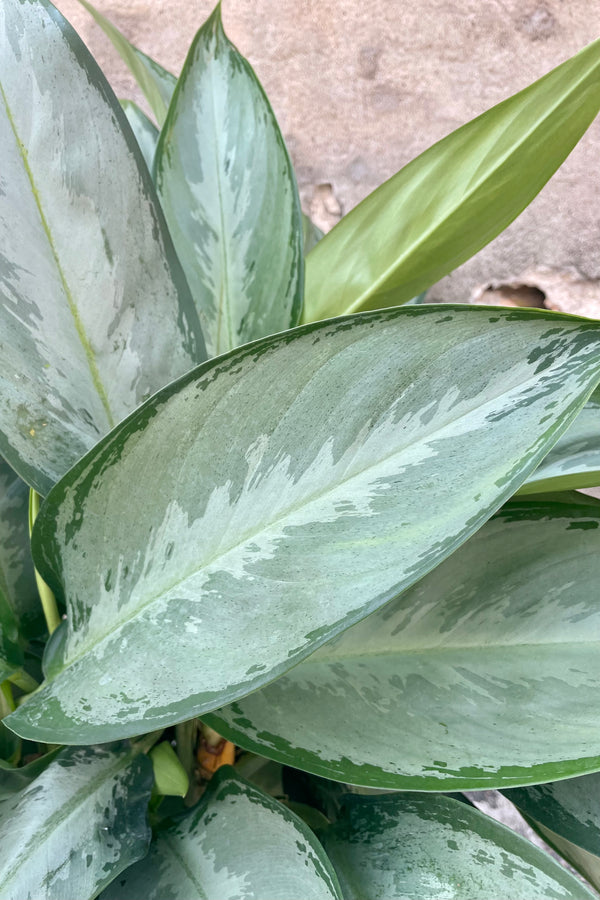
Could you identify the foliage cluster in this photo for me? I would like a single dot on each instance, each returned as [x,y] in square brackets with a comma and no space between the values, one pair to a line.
[282,501]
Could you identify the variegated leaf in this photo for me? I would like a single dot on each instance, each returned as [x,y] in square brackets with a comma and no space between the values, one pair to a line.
[567,815]
[146,133]
[454,198]
[432,691]
[20,610]
[95,313]
[238,842]
[574,461]
[424,847]
[277,495]
[228,190]
[66,833]
[156,82]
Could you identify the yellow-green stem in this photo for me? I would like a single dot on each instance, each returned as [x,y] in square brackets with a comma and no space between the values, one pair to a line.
[23,680]
[48,599]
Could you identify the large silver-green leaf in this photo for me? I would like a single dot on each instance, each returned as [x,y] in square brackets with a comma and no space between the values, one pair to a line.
[238,842]
[68,832]
[95,313]
[274,497]
[454,685]
[419,847]
[457,196]
[567,815]
[574,461]
[228,190]
[146,133]
[20,609]
[156,83]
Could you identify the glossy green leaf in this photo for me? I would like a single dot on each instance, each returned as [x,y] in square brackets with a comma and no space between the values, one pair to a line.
[156,83]
[20,610]
[95,313]
[238,842]
[567,815]
[419,847]
[170,777]
[68,832]
[226,184]
[574,461]
[455,684]
[146,133]
[452,200]
[203,550]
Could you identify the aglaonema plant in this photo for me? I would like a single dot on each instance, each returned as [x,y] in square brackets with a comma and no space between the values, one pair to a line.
[278,506]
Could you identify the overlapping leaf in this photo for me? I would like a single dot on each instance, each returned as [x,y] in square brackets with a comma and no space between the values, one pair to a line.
[66,831]
[567,815]
[20,610]
[95,313]
[228,190]
[574,461]
[274,497]
[156,82]
[146,133]
[431,691]
[238,842]
[420,847]
[457,196]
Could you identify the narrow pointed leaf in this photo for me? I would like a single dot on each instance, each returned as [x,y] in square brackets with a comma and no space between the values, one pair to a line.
[574,461]
[419,847]
[20,609]
[567,815]
[146,133]
[156,83]
[238,842]
[68,832]
[457,196]
[432,690]
[227,187]
[239,543]
[95,313]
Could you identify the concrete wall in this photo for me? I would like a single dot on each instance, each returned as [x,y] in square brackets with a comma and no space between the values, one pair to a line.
[361,88]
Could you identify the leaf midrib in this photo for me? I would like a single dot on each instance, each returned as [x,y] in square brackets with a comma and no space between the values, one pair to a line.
[438,649]
[224,305]
[79,326]
[61,815]
[521,384]
[170,844]
[374,289]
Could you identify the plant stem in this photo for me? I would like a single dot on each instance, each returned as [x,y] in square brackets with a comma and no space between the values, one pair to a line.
[23,680]
[48,599]
[7,703]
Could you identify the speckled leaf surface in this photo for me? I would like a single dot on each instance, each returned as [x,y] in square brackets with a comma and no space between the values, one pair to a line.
[574,461]
[95,313]
[20,609]
[419,847]
[274,497]
[145,131]
[432,691]
[156,82]
[238,842]
[68,832]
[228,190]
[567,815]
[454,198]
